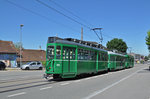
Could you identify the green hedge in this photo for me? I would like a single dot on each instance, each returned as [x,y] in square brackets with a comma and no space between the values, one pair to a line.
[44,63]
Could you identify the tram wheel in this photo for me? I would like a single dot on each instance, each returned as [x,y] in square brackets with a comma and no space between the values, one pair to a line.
[56,76]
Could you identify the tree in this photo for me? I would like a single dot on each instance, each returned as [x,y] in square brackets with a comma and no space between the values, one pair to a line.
[117,44]
[146,58]
[148,40]
[18,44]
[149,56]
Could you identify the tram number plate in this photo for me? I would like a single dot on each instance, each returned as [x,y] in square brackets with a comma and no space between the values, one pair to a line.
[57,64]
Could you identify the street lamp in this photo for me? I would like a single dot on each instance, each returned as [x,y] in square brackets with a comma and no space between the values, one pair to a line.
[21,25]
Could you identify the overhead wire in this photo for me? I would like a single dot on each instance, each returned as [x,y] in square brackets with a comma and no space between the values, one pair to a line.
[60,6]
[77,17]
[48,6]
[40,15]
[108,36]
[62,14]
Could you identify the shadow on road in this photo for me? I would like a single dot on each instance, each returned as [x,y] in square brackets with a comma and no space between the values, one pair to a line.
[144,71]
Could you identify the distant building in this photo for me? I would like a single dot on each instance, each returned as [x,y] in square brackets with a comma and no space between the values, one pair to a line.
[137,57]
[8,53]
[29,55]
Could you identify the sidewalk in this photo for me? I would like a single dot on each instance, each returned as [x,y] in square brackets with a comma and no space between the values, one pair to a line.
[18,69]
[12,69]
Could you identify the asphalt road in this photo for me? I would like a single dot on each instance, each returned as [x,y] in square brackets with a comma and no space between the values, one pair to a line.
[133,83]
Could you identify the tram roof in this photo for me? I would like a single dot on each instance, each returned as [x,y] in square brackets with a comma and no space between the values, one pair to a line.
[109,52]
[77,42]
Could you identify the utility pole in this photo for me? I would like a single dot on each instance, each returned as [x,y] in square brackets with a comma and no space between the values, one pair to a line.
[130,49]
[82,34]
[56,35]
[40,48]
[21,44]
[101,37]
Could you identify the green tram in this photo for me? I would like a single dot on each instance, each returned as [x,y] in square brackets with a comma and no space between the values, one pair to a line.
[129,61]
[67,58]
[116,61]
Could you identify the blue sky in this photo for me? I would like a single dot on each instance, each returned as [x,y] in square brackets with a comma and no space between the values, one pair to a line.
[125,19]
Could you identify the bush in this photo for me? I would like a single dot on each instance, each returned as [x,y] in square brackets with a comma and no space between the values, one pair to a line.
[142,61]
[44,63]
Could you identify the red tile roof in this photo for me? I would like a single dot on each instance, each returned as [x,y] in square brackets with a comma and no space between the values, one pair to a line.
[33,55]
[7,47]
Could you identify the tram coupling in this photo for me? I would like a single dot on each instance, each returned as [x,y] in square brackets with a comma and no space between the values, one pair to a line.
[47,76]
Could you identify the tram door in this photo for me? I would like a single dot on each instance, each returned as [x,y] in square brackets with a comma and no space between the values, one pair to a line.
[68,60]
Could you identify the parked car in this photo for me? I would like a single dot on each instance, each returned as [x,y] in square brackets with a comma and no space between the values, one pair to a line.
[148,63]
[32,65]
[2,65]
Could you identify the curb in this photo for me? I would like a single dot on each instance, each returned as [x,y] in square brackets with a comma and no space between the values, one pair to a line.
[12,69]
[18,69]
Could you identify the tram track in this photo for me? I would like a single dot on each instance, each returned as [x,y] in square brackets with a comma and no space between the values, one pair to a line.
[23,84]
[18,79]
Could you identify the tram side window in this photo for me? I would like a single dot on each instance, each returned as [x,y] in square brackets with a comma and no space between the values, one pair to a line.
[117,59]
[112,58]
[58,52]
[89,55]
[105,57]
[73,54]
[50,52]
[99,57]
[93,55]
[67,54]
[80,54]
[102,56]
[64,51]
[120,59]
[86,54]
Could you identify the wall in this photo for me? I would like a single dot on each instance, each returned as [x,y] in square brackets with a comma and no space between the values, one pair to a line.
[9,59]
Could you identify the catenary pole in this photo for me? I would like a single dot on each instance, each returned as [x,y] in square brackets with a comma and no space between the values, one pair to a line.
[21,44]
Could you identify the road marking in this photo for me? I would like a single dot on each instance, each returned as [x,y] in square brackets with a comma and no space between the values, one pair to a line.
[110,86]
[87,78]
[46,88]
[16,94]
[95,77]
[77,81]
[64,84]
